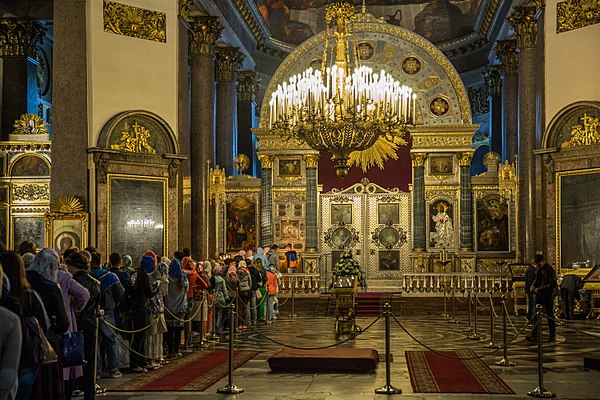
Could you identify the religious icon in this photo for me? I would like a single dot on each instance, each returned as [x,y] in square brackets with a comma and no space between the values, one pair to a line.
[388,214]
[492,224]
[389,260]
[341,214]
[442,226]
[440,165]
[241,224]
[341,237]
[289,167]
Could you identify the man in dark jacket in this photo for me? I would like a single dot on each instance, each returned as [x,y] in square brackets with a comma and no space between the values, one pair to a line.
[87,319]
[544,288]
[529,279]
[569,291]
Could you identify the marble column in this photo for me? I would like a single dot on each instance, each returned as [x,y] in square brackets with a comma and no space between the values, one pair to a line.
[266,200]
[506,51]
[491,75]
[203,33]
[524,21]
[246,104]
[228,60]
[419,219]
[20,38]
[312,238]
[466,203]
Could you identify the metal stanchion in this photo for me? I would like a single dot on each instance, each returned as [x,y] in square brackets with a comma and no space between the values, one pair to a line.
[293,314]
[468,329]
[231,388]
[388,388]
[268,317]
[214,336]
[202,341]
[454,320]
[445,313]
[491,344]
[540,391]
[475,335]
[505,362]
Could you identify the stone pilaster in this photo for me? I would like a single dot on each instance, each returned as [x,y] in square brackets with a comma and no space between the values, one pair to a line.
[419,219]
[524,22]
[228,60]
[493,81]
[266,200]
[246,97]
[466,202]
[203,33]
[506,51]
[312,238]
[19,38]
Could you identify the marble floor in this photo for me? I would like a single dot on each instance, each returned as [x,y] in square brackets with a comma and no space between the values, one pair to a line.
[564,373]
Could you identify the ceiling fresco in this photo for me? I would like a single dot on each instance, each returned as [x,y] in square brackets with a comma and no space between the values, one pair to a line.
[439,21]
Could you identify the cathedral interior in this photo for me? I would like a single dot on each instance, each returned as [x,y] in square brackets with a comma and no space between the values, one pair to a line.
[467,142]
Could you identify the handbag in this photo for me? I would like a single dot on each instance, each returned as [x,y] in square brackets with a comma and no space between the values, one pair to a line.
[71,346]
[258,294]
[41,351]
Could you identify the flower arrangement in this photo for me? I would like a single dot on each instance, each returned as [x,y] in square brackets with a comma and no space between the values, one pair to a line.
[348,266]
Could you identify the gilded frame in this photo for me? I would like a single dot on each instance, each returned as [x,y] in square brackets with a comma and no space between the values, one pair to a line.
[3,166]
[289,167]
[558,202]
[343,210]
[388,213]
[37,223]
[64,231]
[505,218]
[165,189]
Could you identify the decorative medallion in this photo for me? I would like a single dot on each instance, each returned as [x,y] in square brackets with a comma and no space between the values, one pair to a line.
[135,140]
[341,236]
[30,124]
[584,135]
[365,51]
[575,14]
[135,22]
[66,205]
[31,192]
[389,237]
[439,106]
[411,65]
[241,163]
[429,83]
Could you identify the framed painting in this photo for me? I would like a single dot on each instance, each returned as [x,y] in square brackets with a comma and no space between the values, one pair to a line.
[441,224]
[289,167]
[492,224]
[341,214]
[290,230]
[577,224]
[66,231]
[388,213]
[28,228]
[441,165]
[240,217]
[389,260]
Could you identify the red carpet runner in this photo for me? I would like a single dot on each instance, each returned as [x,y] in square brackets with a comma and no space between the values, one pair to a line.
[197,371]
[433,373]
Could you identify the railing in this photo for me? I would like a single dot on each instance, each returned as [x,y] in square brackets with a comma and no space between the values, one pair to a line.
[302,283]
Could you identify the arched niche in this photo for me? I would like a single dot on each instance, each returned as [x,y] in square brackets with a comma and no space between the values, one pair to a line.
[559,128]
[29,165]
[410,58]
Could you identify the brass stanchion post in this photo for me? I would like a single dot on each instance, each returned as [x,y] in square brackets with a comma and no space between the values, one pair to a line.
[293,314]
[231,388]
[475,335]
[213,326]
[202,341]
[388,388]
[505,362]
[491,344]
[445,313]
[540,391]
[454,320]
[468,329]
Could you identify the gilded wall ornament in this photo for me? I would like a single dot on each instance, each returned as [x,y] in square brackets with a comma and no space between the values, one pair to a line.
[429,83]
[411,65]
[492,77]
[506,51]
[524,22]
[365,51]
[66,205]
[418,159]
[479,100]
[439,106]
[203,33]
[135,22]
[20,37]
[216,184]
[584,135]
[241,163]
[135,140]
[248,83]
[266,160]
[228,61]
[30,124]
[464,159]
[311,160]
[31,192]
[575,14]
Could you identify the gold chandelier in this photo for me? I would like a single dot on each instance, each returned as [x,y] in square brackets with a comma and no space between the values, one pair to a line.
[344,107]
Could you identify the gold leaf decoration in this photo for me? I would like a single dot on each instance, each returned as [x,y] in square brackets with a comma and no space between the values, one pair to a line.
[30,124]
[575,14]
[66,205]
[378,154]
[135,22]
[584,135]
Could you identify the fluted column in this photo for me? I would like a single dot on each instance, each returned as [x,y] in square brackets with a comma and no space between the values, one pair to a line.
[246,97]
[227,62]
[491,75]
[419,219]
[506,51]
[466,202]
[524,22]
[202,35]
[312,238]
[266,200]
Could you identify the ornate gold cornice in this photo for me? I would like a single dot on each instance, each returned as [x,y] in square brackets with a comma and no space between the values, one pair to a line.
[443,137]
[575,14]
[20,37]
[488,17]
[418,159]
[464,159]
[228,61]
[19,146]
[203,32]
[506,51]
[311,160]
[266,160]
[135,22]
[491,76]
[248,83]
[524,22]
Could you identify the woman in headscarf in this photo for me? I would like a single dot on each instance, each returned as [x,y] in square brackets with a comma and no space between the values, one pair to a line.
[128,263]
[262,288]
[244,289]
[42,275]
[176,304]
[209,297]
[189,268]
[156,320]
[220,297]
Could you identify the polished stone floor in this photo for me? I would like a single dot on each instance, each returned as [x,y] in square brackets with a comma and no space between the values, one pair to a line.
[564,373]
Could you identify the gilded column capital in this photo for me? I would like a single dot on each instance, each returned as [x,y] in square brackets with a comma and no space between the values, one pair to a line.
[506,51]
[311,160]
[203,32]
[266,160]
[464,159]
[247,85]
[228,61]
[524,22]
[20,36]
[418,159]
[491,76]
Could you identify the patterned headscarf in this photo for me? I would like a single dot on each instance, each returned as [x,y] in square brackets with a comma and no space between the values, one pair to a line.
[208,268]
[46,263]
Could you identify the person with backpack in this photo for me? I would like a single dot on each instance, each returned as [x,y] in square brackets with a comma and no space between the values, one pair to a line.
[10,350]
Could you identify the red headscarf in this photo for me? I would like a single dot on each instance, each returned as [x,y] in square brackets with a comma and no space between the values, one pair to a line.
[150,253]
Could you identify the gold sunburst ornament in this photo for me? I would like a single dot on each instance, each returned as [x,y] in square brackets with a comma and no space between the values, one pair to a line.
[383,150]
[30,124]
[67,205]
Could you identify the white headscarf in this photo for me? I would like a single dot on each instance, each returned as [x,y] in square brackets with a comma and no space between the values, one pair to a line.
[46,263]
